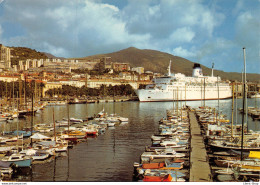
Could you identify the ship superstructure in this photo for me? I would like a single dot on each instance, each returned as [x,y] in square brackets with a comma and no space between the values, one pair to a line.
[180,87]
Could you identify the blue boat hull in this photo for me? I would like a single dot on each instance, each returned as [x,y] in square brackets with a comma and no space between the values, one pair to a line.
[23,163]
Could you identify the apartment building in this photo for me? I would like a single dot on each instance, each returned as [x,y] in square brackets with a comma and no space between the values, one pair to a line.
[121,67]
[5,56]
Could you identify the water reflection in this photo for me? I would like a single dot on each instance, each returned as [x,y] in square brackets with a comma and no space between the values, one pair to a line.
[110,156]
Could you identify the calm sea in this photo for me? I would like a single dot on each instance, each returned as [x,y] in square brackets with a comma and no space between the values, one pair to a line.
[110,157]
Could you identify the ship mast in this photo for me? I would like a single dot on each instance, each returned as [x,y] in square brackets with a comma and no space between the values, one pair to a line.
[212,69]
[169,68]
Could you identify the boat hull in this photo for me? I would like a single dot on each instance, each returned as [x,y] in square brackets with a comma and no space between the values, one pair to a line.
[22,163]
[155,95]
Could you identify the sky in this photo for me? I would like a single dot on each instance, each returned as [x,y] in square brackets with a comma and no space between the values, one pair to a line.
[203,31]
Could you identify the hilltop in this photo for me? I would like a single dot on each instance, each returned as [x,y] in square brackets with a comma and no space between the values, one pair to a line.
[157,61]
[23,53]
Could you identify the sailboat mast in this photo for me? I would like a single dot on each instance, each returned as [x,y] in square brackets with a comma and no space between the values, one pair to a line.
[201,93]
[54,126]
[68,116]
[185,94]
[232,118]
[236,101]
[204,103]
[173,108]
[25,101]
[218,98]
[244,101]
[32,120]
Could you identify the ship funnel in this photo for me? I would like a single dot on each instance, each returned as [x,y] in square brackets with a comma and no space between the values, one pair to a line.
[169,68]
[197,71]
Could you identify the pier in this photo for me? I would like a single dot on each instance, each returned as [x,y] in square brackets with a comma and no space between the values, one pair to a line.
[199,164]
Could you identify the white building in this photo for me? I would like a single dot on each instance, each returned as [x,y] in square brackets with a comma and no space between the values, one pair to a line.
[139,70]
[9,78]
[97,83]
[74,83]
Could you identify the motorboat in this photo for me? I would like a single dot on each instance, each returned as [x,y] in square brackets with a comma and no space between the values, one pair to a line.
[19,159]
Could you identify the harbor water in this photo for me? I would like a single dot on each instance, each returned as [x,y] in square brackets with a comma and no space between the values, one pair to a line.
[110,156]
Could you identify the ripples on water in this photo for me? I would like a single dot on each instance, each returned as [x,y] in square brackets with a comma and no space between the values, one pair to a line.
[110,156]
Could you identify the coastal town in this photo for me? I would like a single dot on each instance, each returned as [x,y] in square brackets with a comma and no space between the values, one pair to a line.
[55,73]
[36,85]
[129,91]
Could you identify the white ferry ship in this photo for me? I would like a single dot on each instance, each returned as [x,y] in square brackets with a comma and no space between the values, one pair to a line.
[179,87]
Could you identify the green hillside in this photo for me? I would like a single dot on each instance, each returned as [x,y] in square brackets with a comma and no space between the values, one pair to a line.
[23,53]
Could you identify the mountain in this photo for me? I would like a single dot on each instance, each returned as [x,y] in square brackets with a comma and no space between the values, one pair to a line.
[157,61]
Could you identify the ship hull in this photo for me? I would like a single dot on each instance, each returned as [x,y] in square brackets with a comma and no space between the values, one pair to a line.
[146,95]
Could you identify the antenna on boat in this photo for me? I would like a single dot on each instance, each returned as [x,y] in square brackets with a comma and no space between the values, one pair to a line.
[212,69]
[169,68]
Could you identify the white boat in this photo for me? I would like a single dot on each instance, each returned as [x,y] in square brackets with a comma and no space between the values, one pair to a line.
[255,96]
[167,153]
[40,156]
[110,124]
[123,119]
[179,87]
[19,159]
[74,120]
[35,154]
[62,123]
[89,129]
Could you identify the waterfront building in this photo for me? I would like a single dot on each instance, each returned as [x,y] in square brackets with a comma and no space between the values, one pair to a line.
[97,83]
[74,83]
[50,85]
[6,78]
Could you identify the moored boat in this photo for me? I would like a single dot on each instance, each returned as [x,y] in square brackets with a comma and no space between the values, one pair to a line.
[19,159]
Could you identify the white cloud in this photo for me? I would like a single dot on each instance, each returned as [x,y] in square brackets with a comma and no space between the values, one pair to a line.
[238,7]
[192,29]
[95,27]
[182,35]
[247,28]
[179,51]
[248,35]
